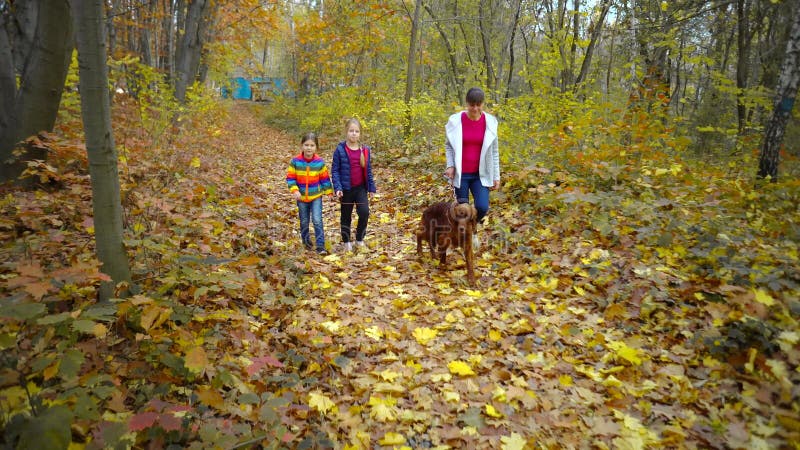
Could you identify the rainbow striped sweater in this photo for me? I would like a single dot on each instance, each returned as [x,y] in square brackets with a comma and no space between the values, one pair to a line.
[309,177]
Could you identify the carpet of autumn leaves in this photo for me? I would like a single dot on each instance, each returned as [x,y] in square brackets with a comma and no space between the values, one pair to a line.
[601,319]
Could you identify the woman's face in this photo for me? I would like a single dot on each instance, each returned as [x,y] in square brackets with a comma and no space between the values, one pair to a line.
[474,110]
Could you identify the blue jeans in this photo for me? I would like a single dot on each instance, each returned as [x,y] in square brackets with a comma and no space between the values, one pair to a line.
[312,210]
[471,182]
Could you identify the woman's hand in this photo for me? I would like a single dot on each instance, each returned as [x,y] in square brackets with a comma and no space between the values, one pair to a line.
[450,172]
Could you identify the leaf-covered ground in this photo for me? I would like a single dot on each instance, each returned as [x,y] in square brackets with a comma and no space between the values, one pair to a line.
[580,334]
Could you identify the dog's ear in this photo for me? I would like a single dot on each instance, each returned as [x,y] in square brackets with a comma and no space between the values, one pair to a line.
[473,214]
[451,211]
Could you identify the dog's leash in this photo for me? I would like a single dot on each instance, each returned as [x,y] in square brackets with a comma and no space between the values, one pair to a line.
[452,188]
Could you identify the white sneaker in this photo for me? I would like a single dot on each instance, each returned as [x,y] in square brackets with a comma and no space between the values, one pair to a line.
[360,244]
[348,246]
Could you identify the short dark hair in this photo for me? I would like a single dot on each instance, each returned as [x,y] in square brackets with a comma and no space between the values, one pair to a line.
[475,96]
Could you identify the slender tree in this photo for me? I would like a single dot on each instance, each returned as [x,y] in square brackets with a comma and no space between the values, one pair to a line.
[595,29]
[456,75]
[485,30]
[788,83]
[412,51]
[96,112]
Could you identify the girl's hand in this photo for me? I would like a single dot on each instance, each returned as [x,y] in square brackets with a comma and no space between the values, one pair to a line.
[296,195]
[339,194]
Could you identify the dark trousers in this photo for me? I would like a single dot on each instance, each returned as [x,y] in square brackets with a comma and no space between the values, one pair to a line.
[355,197]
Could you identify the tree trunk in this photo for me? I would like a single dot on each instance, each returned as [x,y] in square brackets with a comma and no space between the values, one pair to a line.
[485,39]
[190,47]
[458,80]
[96,112]
[506,51]
[511,58]
[470,61]
[8,81]
[595,30]
[412,52]
[784,101]
[145,39]
[743,48]
[41,61]
[569,78]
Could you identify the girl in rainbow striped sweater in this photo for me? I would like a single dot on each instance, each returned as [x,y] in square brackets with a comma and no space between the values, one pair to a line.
[308,181]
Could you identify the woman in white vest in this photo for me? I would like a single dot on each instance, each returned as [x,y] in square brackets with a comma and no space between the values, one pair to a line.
[473,160]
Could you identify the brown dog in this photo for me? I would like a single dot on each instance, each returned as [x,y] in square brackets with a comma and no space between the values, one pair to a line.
[449,224]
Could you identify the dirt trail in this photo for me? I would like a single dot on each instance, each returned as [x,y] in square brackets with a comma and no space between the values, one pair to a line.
[399,346]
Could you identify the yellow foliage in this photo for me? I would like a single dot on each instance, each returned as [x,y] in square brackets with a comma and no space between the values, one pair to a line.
[391,438]
[763,297]
[460,368]
[320,402]
[492,412]
[423,335]
[629,354]
[513,442]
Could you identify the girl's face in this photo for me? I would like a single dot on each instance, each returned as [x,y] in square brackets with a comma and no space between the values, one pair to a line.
[353,134]
[309,148]
[474,110]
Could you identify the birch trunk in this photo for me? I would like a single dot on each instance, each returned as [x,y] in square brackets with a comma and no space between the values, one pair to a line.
[784,101]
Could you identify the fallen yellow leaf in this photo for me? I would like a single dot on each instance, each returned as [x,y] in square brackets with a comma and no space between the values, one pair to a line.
[392,439]
[629,354]
[492,412]
[513,442]
[414,365]
[317,400]
[388,375]
[374,332]
[499,394]
[460,368]
[423,335]
[763,297]
[439,377]
[331,326]
[549,284]
[196,360]
[383,413]
[450,396]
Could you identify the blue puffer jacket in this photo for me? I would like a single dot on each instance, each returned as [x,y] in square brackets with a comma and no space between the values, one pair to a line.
[340,169]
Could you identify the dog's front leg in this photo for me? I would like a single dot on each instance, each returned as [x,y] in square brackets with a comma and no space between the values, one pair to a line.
[469,259]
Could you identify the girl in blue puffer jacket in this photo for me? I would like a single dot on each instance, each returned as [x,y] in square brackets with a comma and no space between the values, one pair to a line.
[351,173]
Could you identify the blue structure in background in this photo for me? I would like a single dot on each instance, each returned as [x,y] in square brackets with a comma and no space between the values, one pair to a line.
[256,88]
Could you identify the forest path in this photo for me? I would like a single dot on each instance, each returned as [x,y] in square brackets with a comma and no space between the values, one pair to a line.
[383,347]
[384,324]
